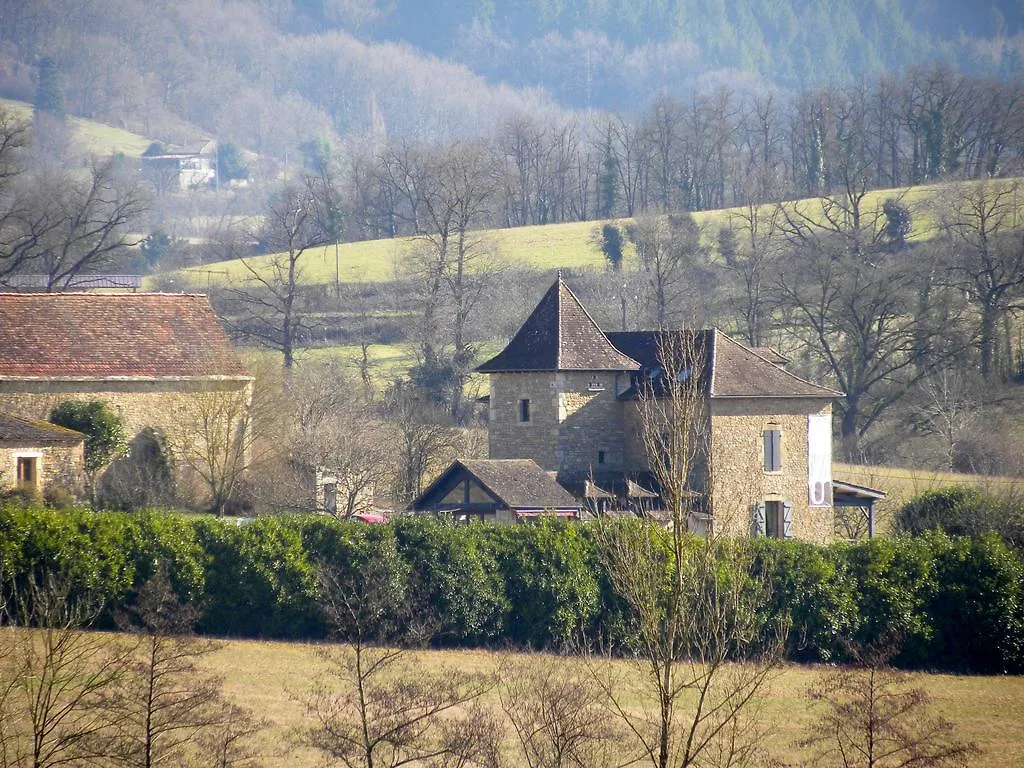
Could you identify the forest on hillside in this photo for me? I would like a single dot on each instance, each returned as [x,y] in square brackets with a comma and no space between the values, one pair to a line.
[268,74]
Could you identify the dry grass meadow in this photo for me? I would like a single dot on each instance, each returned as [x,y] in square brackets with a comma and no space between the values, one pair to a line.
[269,678]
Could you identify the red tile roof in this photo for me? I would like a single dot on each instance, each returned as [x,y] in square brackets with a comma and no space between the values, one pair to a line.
[87,335]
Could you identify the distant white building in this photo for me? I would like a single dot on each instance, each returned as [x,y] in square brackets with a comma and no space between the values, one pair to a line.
[187,168]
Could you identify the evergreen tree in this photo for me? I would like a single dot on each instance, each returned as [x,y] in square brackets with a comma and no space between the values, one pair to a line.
[49,96]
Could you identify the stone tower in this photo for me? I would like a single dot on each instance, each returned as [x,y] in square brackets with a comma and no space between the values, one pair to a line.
[553,392]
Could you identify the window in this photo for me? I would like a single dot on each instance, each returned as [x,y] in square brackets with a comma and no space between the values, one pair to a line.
[331,498]
[772,450]
[601,456]
[773,519]
[524,411]
[28,471]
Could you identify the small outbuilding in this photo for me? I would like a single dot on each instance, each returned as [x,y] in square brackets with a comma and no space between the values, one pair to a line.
[497,490]
[36,456]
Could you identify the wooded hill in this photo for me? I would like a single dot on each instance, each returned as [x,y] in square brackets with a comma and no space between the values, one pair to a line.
[268,74]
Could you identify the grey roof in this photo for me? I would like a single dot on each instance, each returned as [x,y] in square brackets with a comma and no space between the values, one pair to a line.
[737,371]
[727,368]
[559,335]
[23,432]
[516,483]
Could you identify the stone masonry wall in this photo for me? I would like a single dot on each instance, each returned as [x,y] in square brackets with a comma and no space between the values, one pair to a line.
[591,422]
[507,437]
[573,417]
[739,478]
[168,405]
[58,465]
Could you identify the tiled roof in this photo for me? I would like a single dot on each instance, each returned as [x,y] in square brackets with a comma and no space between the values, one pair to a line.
[147,335]
[728,368]
[32,433]
[739,372]
[520,483]
[517,483]
[559,335]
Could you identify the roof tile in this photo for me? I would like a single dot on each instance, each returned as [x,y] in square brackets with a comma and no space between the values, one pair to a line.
[559,335]
[148,335]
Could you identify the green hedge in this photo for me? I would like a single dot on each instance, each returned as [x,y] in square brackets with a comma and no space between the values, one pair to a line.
[957,603]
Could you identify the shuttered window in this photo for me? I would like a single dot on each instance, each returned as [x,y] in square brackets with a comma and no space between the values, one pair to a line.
[772,450]
[773,519]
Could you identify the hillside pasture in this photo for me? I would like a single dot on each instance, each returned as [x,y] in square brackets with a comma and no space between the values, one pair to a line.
[271,679]
[572,245]
[90,137]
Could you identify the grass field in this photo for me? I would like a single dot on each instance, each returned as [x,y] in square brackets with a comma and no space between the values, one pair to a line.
[89,136]
[569,245]
[901,484]
[270,678]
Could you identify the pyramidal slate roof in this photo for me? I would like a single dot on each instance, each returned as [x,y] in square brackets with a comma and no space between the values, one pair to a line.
[559,335]
[125,335]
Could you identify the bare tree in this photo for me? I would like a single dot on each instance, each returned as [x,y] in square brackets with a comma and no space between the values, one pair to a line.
[671,263]
[297,219]
[847,296]
[749,248]
[57,702]
[63,225]
[340,434]
[693,606]
[213,436]
[424,438]
[949,407]
[379,707]
[558,715]
[986,257]
[165,701]
[875,718]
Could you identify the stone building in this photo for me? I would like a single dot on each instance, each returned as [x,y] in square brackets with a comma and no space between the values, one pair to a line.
[36,456]
[568,396]
[161,361]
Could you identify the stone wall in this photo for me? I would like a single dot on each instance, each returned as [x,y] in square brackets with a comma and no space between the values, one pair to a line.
[590,424]
[739,478]
[574,419]
[176,407]
[58,466]
[509,438]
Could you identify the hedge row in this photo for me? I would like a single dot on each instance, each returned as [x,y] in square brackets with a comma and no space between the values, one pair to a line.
[958,603]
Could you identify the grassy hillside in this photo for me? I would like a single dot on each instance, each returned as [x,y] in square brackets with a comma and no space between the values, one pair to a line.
[570,245]
[271,678]
[90,137]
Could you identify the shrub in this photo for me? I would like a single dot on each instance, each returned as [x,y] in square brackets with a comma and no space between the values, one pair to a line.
[454,577]
[978,608]
[893,582]
[963,511]
[812,586]
[549,570]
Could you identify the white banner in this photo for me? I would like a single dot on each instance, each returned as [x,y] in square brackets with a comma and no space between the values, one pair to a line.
[819,460]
